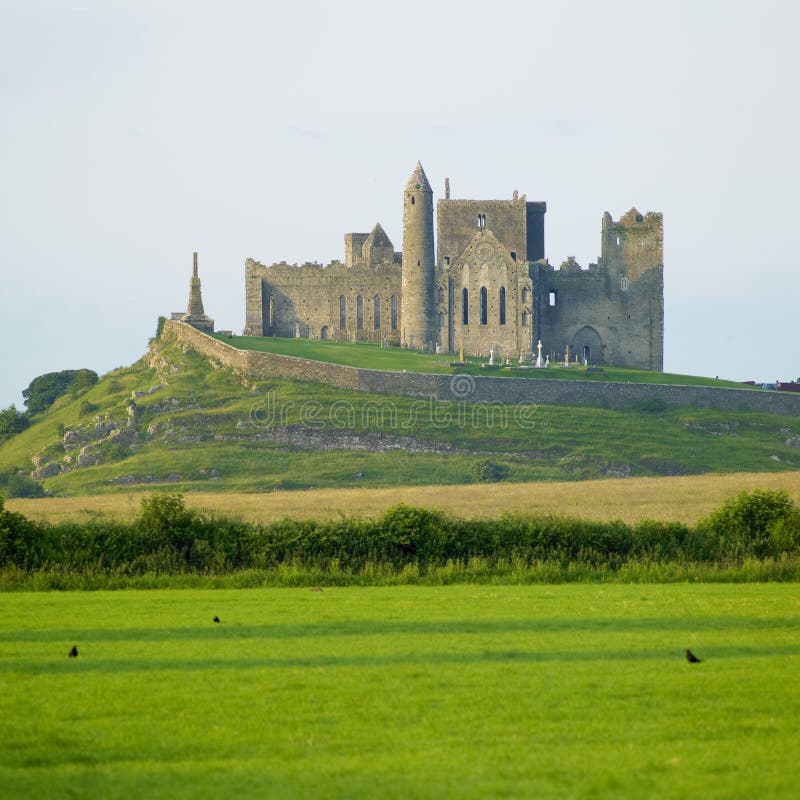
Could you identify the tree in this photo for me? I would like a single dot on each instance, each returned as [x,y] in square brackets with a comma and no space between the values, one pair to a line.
[44,390]
[12,421]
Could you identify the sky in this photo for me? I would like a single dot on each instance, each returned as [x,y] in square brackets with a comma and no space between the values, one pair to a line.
[133,133]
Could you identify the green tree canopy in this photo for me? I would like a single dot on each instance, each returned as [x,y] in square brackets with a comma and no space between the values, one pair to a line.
[46,389]
[12,421]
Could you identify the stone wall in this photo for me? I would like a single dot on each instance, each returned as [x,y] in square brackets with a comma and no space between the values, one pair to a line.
[544,391]
[541,391]
[219,353]
[306,301]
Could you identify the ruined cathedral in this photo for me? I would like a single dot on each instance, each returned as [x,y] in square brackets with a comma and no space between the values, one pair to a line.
[484,285]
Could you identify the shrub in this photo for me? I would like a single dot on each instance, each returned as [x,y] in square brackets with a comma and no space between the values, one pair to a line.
[21,485]
[18,537]
[410,532]
[86,408]
[652,405]
[165,518]
[491,472]
[12,421]
[760,523]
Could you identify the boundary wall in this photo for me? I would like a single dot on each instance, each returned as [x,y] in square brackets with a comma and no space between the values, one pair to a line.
[479,389]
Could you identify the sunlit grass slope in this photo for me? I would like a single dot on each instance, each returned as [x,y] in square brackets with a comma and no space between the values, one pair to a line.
[203,430]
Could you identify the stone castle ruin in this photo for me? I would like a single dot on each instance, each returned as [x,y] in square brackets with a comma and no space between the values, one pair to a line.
[485,286]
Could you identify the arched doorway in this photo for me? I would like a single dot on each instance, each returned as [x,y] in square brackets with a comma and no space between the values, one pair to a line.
[323,334]
[588,346]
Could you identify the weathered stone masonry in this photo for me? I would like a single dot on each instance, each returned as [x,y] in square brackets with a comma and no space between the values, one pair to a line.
[485,284]
[542,391]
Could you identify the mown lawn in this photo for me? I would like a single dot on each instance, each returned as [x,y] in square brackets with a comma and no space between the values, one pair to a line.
[467,691]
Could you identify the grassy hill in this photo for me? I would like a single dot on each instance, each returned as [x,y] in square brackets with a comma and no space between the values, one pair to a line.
[200,428]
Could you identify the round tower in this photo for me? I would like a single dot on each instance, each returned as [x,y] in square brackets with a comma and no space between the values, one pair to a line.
[418,263]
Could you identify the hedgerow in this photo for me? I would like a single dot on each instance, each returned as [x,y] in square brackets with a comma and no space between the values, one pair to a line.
[167,538]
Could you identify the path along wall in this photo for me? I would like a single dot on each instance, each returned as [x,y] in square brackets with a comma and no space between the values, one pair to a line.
[542,391]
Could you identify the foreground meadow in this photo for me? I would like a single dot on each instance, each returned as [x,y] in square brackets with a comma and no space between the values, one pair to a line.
[461,691]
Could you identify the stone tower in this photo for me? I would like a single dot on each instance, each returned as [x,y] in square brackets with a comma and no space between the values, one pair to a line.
[195,314]
[633,258]
[418,263]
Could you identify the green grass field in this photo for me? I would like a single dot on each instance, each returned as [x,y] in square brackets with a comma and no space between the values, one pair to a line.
[406,692]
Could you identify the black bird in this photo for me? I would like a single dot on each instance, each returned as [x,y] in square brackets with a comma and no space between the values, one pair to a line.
[74,652]
[216,619]
[692,658]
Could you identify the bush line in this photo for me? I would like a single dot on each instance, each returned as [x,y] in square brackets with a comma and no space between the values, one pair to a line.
[753,537]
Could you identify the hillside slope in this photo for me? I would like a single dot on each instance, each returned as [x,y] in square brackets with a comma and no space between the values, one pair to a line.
[173,418]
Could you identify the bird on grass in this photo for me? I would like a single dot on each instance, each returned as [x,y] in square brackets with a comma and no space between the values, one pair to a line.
[74,652]
[216,618]
[692,658]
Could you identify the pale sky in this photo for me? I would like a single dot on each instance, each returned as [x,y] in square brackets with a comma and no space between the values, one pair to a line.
[136,132]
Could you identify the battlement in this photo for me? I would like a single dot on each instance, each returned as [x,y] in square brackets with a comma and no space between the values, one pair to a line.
[633,218]
[634,245]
